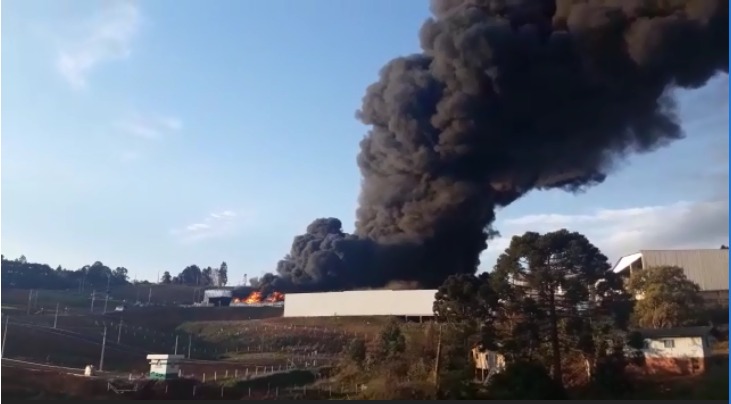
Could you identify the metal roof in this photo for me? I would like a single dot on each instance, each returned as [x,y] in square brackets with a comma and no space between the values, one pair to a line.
[708,268]
[678,332]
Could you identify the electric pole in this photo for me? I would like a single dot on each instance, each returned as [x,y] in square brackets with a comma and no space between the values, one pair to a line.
[437,360]
[5,336]
[190,340]
[30,300]
[119,333]
[106,301]
[93,295]
[176,345]
[149,296]
[104,346]
[55,318]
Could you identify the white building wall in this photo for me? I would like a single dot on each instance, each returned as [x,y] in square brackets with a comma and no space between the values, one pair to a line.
[685,347]
[360,303]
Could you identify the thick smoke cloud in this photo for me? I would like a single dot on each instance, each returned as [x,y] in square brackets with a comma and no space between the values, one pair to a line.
[505,97]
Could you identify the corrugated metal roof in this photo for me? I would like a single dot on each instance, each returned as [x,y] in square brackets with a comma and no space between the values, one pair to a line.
[708,268]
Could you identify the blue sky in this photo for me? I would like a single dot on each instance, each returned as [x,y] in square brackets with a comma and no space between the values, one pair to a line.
[154,135]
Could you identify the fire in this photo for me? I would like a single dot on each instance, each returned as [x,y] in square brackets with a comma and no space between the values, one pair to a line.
[254,297]
[275,297]
[258,297]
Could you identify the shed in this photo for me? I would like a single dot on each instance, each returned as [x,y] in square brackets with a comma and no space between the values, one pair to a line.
[682,350]
[163,366]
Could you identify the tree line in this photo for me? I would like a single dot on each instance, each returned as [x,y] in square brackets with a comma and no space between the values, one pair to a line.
[194,275]
[21,274]
[553,310]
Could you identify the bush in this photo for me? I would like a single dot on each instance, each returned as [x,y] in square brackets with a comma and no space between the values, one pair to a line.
[525,381]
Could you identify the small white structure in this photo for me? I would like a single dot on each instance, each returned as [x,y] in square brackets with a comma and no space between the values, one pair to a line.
[682,350]
[217,297]
[164,367]
[89,371]
[411,303]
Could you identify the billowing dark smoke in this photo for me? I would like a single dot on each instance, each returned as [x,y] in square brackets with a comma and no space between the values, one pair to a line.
[505,97]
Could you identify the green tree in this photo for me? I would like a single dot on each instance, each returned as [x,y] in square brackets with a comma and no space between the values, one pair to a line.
[554,287]
[223,274]
[356,351]
[391,341]
[191,275]
[666,298]
[166,278]
[120,273]
[207,276]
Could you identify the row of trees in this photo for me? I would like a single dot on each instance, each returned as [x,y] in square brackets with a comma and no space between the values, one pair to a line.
[193,275]
[551,303]
[19,273]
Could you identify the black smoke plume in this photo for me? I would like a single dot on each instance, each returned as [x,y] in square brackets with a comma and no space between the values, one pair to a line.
[505,97]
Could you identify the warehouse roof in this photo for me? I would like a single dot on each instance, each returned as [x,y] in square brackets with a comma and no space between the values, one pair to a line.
[708,268]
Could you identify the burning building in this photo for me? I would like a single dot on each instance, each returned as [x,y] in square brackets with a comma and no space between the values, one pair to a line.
[257,298]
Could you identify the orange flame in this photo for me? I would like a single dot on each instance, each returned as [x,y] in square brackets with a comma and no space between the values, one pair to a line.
[275,297]
[258,297]
[254,297]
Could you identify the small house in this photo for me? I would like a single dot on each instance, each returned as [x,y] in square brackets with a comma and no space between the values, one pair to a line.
[683,350]
[164,367]
[487,363]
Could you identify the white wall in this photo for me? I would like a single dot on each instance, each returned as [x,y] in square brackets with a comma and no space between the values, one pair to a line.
[685,347]
[360,303]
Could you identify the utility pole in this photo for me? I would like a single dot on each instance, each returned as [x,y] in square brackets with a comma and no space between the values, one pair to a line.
[55,318]
[30,300]
[5,336]
[149,296]
[176,345]
[190,340]
[104,346]
[106,301]
[93,295]
[437,360]
[119,333]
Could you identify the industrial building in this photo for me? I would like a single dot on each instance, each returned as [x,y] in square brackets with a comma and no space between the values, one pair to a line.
[404,303]
[217,297]
[708,268]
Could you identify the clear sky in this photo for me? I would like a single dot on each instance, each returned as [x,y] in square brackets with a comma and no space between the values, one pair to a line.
[155,135]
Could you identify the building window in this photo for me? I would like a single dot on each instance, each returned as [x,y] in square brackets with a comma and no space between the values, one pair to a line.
[668,343]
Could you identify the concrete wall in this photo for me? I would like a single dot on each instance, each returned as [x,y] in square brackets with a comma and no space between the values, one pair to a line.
[360,303]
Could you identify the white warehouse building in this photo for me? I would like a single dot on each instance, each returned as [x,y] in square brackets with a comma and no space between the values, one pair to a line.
[405,303]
